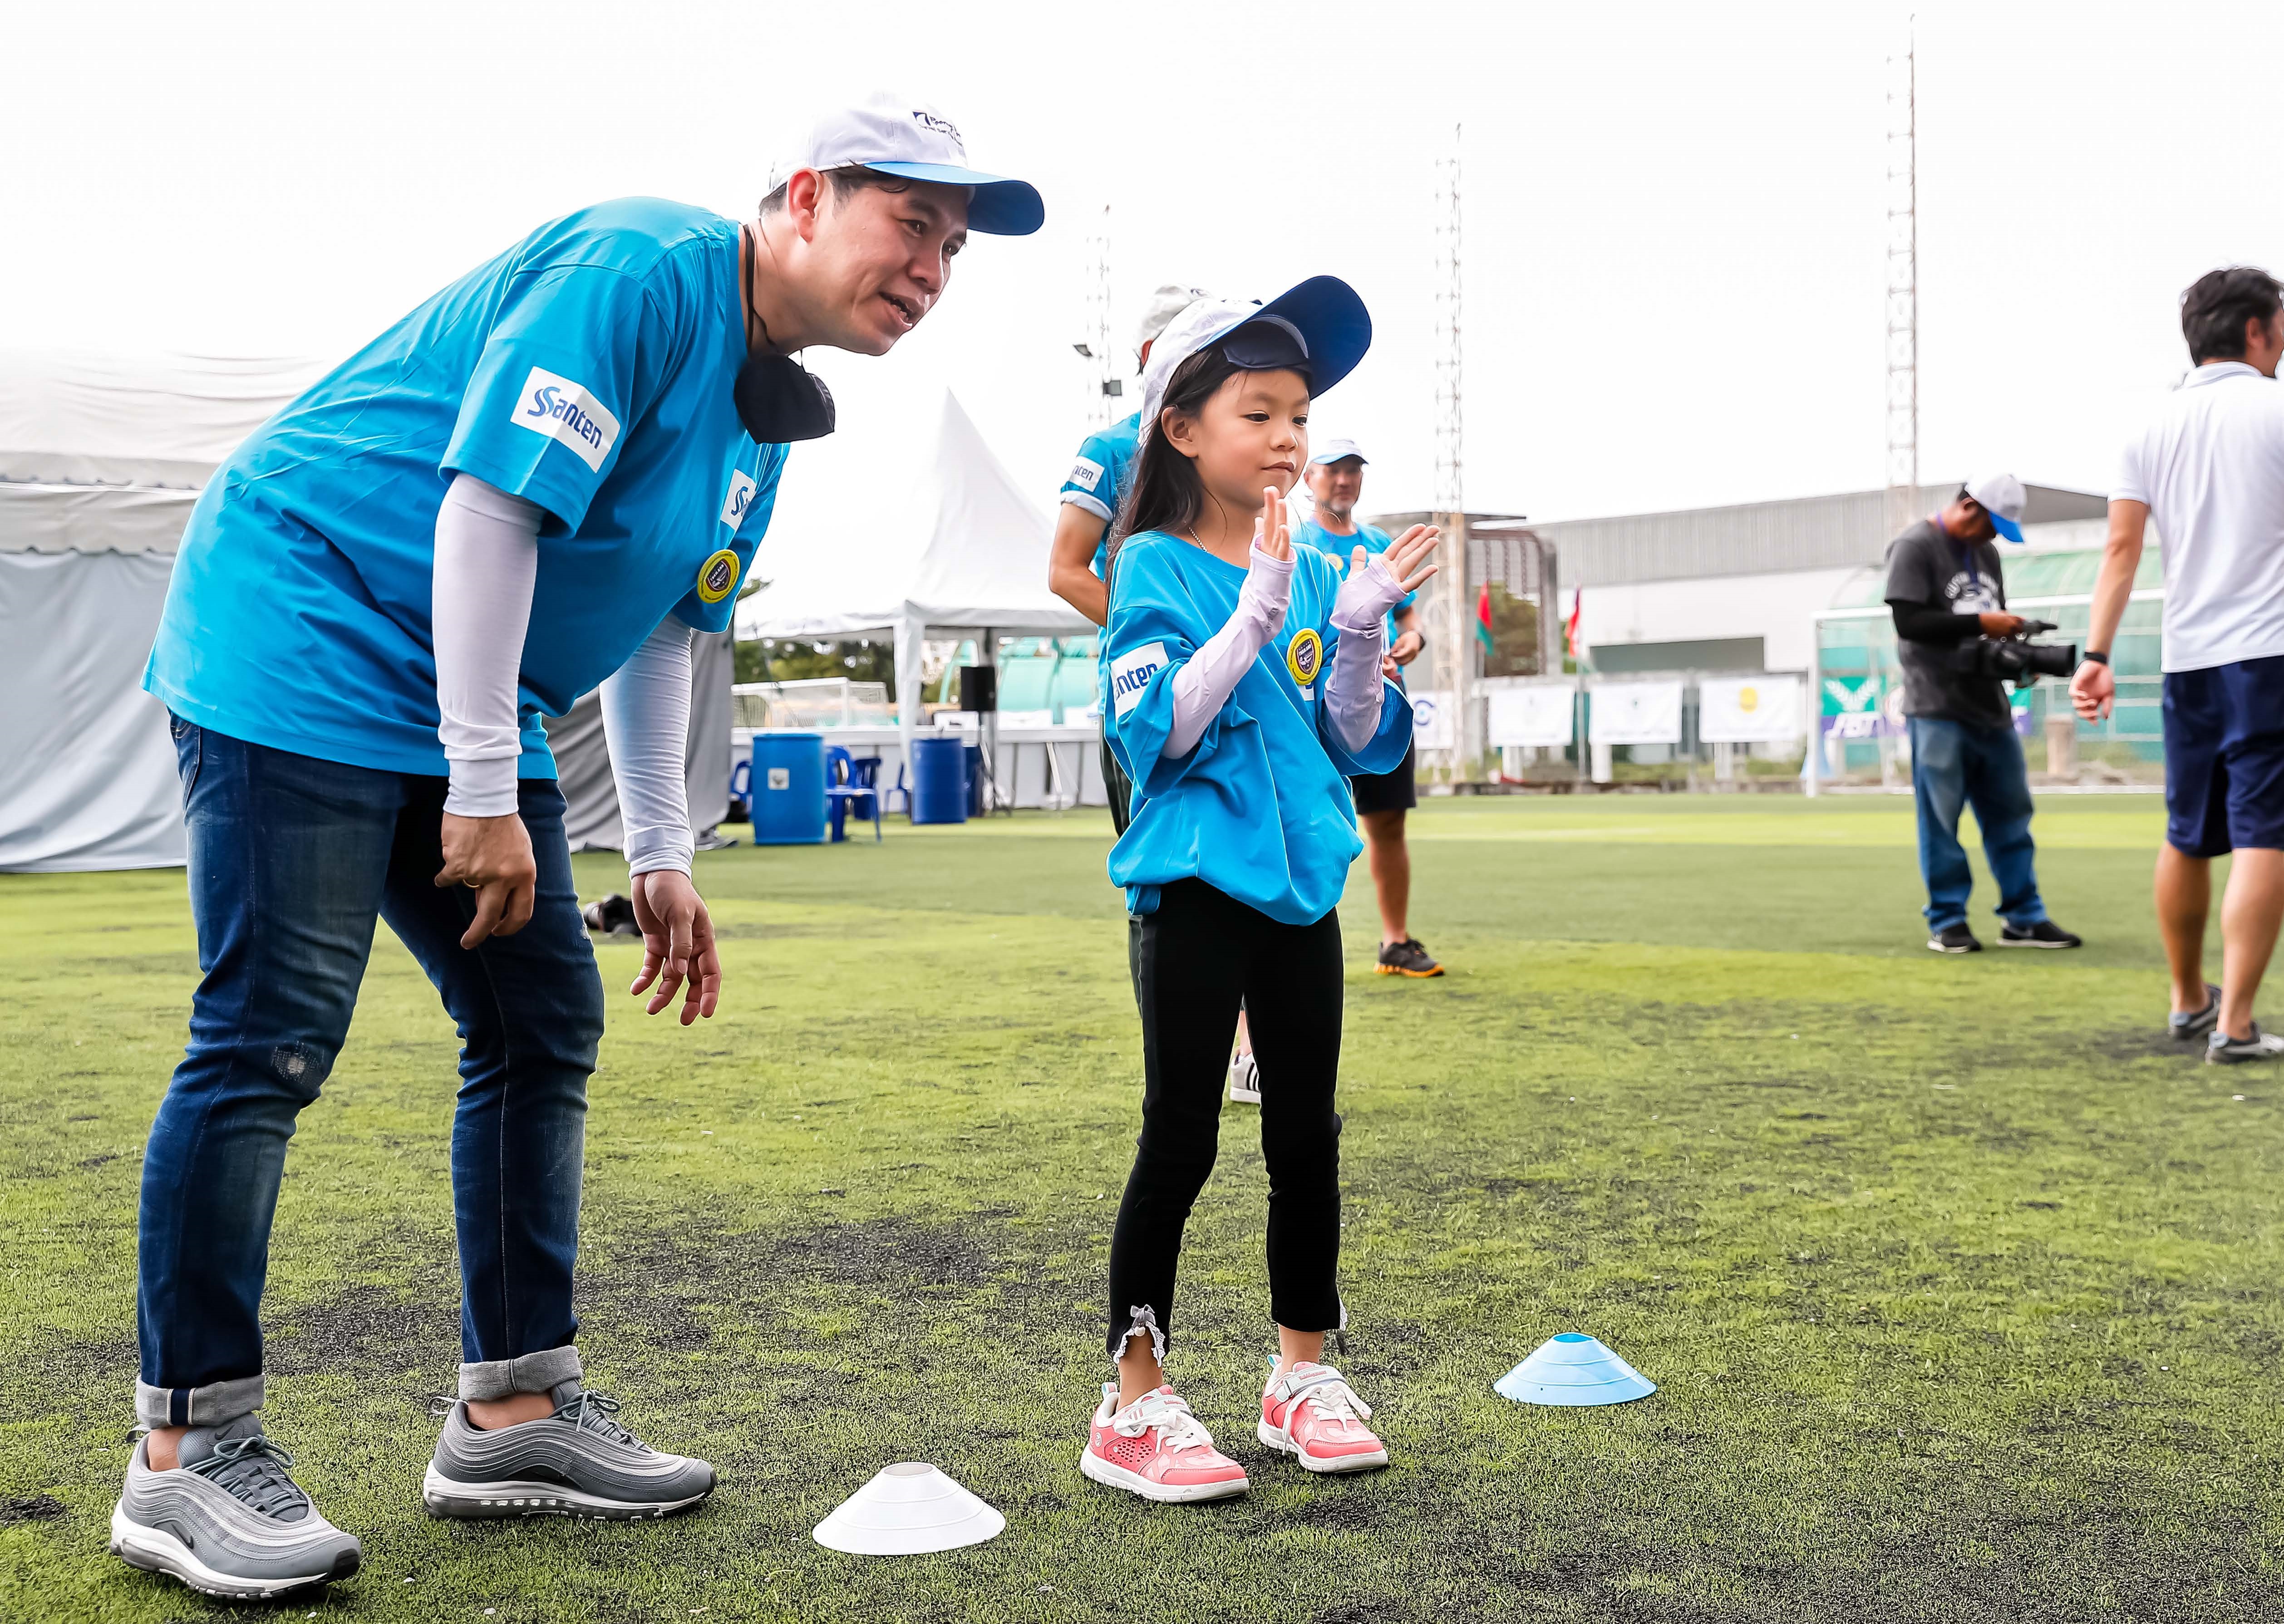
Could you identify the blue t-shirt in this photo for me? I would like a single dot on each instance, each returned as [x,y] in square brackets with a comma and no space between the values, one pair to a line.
[590,370]
[1098,479]
[1374,541]
[1260,808]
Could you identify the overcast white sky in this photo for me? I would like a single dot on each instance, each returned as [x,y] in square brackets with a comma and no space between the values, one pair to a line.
[1674,225]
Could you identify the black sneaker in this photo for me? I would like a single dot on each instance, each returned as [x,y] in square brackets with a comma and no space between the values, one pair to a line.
[2196,1023]
[1406,957]
[2222,1050]
[1953,939]
[2045,933]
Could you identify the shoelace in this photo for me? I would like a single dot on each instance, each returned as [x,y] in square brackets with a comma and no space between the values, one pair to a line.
[1331,1397]
[594,1413]
[1173,1419]
[253,1470]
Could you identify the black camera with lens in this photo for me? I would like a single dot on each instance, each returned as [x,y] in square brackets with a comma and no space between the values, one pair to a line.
[2017,660]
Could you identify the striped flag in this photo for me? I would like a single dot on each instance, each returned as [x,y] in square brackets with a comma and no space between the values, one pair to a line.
[1483,619]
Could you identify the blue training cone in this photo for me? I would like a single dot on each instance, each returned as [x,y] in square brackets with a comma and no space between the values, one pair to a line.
[1573,1369]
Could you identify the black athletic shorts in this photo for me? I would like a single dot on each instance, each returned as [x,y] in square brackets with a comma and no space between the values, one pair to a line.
[1387,791]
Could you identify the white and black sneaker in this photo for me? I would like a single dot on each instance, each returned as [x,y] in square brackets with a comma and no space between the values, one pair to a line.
[578,1462]
[2045,933]
[2187,1024]
[2222,1050]
[227,1521]
[1243,1078]
[1953,939]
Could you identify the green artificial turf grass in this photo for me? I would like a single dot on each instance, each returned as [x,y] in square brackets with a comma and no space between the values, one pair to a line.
[1958,1278]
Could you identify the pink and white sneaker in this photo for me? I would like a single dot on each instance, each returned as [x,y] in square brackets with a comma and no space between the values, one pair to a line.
[1156,1448]
[1310,1412]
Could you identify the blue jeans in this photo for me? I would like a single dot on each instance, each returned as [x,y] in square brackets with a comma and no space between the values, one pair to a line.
[1954,765]
[291,859]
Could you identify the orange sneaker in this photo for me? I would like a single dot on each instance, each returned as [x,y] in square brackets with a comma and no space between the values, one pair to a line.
[1156,1448]
[1312,1414]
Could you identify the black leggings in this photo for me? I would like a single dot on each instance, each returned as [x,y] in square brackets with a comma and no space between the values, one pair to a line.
[1194,960]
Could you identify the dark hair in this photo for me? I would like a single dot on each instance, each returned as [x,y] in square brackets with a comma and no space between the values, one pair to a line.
[2217,306]
[842,182]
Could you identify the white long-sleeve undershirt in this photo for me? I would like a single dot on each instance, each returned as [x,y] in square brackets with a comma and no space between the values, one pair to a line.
[646,720]
[487,567]
[1354,687]
[1207,679]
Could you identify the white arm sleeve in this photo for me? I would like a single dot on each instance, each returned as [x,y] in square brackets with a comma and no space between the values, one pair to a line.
[480,607]
[1353,686]
[1207,679]
[647,719]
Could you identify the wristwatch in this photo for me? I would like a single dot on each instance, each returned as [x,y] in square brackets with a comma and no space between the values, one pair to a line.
[2097,656]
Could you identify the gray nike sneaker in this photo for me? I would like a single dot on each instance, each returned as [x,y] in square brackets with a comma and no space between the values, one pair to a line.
[578,1462]
[2222,1050]
[228,1521]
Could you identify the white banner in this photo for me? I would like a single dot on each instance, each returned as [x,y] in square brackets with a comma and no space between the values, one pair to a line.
[1434,721]
[1634,713]
[1539,715]
[1749,710]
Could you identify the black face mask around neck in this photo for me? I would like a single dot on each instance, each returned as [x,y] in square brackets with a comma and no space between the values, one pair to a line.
[780,403]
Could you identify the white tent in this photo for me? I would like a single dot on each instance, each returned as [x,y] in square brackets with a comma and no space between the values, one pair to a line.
[956,547]
[100,461]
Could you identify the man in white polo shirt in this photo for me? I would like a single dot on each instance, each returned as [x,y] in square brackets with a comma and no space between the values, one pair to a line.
[2209,470]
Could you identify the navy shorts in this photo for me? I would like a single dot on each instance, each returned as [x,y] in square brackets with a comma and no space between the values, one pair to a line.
[2224,757]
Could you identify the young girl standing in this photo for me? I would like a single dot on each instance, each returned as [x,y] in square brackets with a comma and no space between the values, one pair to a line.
[1244,687]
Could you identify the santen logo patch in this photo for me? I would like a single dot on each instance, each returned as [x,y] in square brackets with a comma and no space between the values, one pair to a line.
[1085,473]
[1130,674]
[740,497]
[1304,657]
[555,406]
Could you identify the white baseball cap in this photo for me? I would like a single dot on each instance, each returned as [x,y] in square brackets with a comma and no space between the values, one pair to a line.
[2002,498]
[898,136]
[1319,327]
[1168,301]
[1337,451]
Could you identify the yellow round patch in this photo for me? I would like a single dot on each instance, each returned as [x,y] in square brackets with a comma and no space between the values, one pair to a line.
[716,576]
[1304,656]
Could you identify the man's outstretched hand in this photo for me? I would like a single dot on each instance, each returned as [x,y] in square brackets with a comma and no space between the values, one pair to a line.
[679,950]
[492,857]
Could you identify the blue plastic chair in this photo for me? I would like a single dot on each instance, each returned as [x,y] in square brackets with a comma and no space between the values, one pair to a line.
[741,784]
[851,779]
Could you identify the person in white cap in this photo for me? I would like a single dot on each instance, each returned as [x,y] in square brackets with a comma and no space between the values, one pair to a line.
[541,480]
[1078,561]
[2209,470]
[1335,481]
[1946,592]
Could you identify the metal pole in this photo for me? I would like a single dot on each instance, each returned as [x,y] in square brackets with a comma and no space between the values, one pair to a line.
[1813,765]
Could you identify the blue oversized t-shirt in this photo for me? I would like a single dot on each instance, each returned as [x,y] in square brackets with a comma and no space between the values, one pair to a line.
[1259,809]
[591,368]
[1098,479]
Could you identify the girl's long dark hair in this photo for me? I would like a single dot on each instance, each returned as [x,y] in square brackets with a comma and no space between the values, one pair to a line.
[1165,493]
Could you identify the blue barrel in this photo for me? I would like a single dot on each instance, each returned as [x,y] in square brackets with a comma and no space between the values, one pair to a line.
[939,781]
[787,784]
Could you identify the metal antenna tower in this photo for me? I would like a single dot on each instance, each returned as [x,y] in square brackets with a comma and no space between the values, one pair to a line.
[1450,493]
[1103,381]
[1903,285]
[1457,659]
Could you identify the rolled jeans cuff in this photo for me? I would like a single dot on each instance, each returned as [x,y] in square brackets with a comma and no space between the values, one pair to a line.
[500,1379]
[212,1405]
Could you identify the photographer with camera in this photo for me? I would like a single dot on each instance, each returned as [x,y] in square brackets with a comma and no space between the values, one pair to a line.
[1958,646]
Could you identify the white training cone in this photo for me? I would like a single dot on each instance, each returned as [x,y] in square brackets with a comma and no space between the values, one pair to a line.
[1573,1369]
[908,1508]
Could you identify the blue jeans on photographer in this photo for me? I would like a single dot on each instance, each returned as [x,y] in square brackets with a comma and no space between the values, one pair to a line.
[1955,765]
[292,859]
